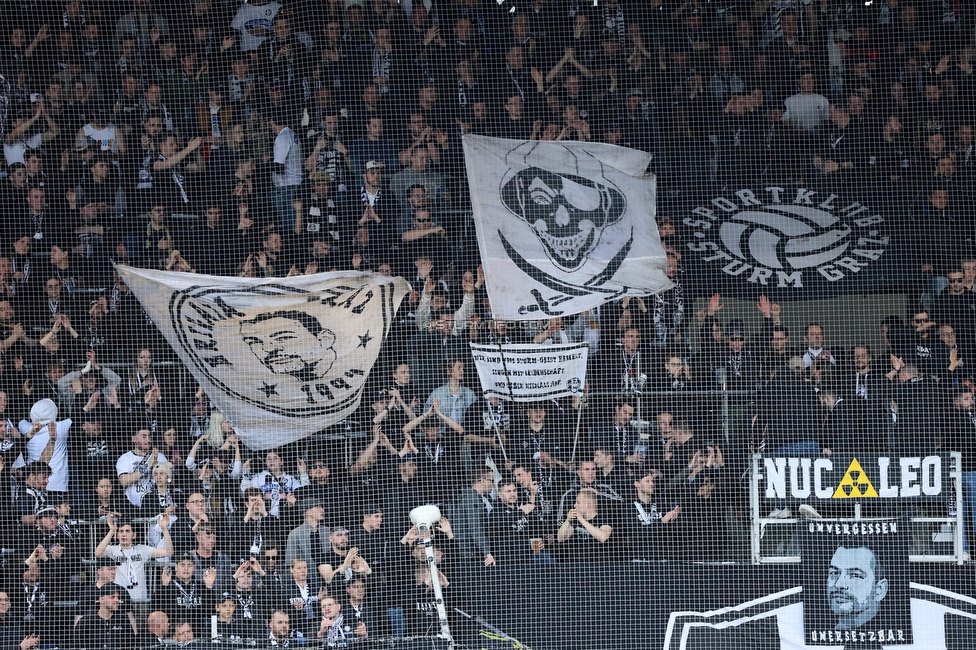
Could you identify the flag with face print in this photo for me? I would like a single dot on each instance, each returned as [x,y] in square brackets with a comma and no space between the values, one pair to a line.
[281,358]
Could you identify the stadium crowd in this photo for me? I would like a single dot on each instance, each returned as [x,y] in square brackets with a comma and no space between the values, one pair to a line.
[263,139]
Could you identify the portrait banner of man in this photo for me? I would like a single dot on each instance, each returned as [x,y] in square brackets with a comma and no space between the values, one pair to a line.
[855,587]
[281,358]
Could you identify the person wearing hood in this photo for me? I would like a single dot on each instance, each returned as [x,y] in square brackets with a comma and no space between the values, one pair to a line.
[48,442]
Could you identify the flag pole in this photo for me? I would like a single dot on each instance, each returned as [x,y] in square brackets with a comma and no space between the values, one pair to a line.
[579,416]
[494,423]
[511,395]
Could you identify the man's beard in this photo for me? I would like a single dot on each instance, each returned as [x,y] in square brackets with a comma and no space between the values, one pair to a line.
[298,368]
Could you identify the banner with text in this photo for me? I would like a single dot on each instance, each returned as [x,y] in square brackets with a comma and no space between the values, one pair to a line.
[281,358]
[855,584]
[531,373]
[852,476]
[726,606]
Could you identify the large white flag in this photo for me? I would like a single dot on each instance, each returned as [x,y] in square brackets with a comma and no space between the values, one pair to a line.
[563,226]
[281,358]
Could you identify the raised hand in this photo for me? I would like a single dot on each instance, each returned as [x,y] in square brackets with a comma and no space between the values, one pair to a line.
[424,267]
[444,525]
[93,400]
[671,516]
[765,307]
[113,396]
[715,304]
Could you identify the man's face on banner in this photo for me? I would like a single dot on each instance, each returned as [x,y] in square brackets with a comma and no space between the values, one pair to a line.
[855,586]
[288,345]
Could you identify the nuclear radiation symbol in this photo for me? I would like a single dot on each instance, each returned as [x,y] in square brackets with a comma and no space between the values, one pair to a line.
[855,484]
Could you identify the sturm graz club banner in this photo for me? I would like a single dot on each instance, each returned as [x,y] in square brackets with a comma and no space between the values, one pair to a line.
[793,244]
[563,226]
[281,358]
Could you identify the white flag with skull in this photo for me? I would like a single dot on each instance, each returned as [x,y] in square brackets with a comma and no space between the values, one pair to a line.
[563,226]
[281,358]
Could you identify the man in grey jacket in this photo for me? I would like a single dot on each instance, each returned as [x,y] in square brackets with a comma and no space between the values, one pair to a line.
[78,387]
[469,514]
[310,541]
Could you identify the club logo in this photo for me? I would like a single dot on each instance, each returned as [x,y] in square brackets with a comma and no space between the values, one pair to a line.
[774,238]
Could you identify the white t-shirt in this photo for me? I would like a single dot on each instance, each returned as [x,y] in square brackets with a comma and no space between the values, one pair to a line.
[14,153]
[104,138]
[126,464]
[131,572]
[254,16]
[806,112]
[59,459]
[288,152]
[273,488]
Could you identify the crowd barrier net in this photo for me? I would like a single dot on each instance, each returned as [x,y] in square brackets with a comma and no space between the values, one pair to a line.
[487,324]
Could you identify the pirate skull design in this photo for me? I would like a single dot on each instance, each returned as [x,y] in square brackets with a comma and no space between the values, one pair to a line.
[567,211]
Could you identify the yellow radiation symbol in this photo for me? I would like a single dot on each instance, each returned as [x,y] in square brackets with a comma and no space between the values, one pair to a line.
[855,485]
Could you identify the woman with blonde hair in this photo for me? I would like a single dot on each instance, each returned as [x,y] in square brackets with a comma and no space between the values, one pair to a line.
[217,436]
[220,459]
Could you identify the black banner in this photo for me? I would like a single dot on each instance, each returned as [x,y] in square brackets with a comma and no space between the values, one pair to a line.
[855,587]
[794,244]
[674,606]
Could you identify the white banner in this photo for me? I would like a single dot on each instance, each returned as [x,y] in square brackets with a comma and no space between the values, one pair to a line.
[531,373]
[281,358]
[563,226]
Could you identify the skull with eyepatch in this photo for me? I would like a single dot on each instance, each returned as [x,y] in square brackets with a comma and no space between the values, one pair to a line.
[567,211]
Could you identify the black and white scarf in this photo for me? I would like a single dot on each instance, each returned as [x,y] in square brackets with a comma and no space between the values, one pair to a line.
[667,322]
[187,598]
[382,64]
[365,196]
[337,632]
[614,23]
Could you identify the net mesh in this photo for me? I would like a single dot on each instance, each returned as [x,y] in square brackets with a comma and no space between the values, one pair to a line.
[814,168]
